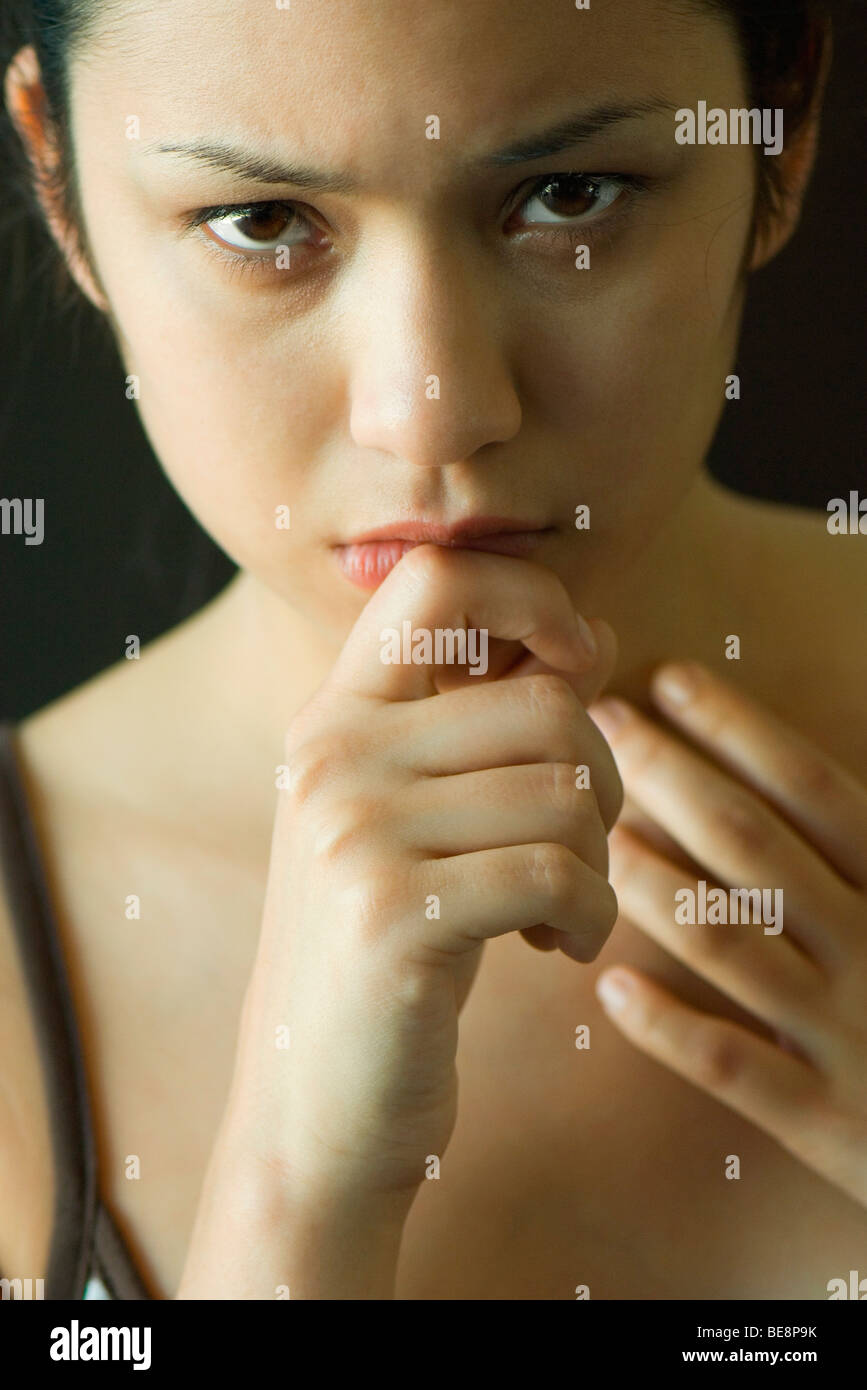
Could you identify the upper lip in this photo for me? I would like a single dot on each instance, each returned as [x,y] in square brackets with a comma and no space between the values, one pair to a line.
[440,533]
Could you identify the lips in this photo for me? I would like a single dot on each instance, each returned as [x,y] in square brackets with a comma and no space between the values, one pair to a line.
[367,559]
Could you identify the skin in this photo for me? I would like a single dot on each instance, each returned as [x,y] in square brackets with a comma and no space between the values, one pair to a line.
[558,387]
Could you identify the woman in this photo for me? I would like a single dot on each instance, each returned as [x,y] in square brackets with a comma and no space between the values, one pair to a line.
[431,343]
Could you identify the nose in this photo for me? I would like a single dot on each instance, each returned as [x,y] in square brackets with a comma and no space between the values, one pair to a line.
[430,381]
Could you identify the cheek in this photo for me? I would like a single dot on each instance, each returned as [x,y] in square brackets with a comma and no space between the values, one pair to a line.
[236,414]
[230,386]
[630,380]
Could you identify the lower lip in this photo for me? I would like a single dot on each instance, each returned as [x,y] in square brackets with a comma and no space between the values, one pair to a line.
[366,565]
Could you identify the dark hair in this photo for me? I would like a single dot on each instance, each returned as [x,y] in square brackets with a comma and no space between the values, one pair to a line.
[782,43]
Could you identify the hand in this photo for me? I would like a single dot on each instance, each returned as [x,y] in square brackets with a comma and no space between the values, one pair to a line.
[417,825]
[781,815]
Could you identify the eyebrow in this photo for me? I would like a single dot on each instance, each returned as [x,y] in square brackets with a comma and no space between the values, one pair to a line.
[572,131]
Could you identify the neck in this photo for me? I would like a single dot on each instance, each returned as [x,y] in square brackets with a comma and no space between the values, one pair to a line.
[680,598]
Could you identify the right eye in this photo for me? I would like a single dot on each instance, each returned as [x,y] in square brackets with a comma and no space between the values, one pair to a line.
[257,227]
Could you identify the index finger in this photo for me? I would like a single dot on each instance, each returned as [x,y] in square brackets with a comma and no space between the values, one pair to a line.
[813,792]
[439,590]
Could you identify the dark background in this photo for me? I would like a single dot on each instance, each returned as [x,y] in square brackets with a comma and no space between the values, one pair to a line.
[123,555]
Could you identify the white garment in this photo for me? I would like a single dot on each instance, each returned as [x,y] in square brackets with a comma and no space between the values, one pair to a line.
[95,1288]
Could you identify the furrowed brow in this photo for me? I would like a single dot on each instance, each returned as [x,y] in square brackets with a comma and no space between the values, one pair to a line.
[245,164]
[583,125]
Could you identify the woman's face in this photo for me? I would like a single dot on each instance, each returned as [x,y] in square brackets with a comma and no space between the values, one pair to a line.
[265,386]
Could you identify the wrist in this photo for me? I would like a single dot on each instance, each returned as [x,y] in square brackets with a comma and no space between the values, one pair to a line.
[265,1231]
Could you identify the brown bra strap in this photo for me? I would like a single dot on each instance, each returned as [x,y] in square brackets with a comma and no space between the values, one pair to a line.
[113,1259]
[79,1220]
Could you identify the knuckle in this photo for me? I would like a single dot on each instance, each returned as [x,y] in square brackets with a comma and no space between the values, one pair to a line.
[577,811]
[371,905]
[346,830]
[308,767]
[550,697]
[718,1058]
[575,740]
[744,826]
[559,786]
[312,764]
[553,869]
[811,780]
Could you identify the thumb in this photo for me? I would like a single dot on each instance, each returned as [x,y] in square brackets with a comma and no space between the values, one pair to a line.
[588,686]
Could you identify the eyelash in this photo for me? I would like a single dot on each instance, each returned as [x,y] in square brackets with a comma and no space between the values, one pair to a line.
[600,228]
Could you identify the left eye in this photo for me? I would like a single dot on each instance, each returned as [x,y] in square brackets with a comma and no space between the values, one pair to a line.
[582,194]
[261,227]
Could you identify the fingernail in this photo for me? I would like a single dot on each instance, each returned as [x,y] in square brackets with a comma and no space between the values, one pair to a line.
[614,988]
[678,684]
[609,714]
[588,640]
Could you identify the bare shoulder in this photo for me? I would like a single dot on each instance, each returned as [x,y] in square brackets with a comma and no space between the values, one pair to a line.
[62,754]
[119,743]
[810,595]
[66,746]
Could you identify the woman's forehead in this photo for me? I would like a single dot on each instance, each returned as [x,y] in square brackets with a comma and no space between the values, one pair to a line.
[395,43]
[484,67]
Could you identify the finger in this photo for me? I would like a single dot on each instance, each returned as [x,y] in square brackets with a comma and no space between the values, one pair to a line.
[764,974]
[501,806]
[775,1090]
[647,830]
[726,826]
[818,796]
[496,891]
[438,589]
[541,938]
[588,685]
[504,724]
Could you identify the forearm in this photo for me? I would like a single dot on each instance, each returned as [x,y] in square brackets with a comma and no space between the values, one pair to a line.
[255,1238]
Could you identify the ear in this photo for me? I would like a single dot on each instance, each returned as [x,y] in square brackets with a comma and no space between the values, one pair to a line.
[797,159]
[28,111]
